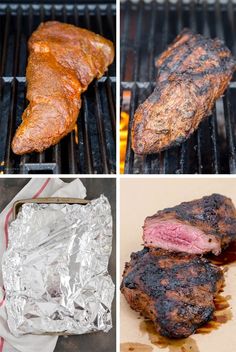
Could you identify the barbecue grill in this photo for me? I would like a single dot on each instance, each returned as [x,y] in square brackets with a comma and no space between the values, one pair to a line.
[90,148]
[146,29]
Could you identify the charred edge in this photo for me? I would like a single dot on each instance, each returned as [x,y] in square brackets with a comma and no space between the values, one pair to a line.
[209,204]
[174,329]
[193,40]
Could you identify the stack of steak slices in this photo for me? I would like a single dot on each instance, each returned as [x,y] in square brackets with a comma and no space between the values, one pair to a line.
[169,281]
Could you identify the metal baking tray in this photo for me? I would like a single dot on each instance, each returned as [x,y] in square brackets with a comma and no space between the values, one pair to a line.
[49,200]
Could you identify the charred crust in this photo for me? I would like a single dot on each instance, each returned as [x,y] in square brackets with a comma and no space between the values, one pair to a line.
[175,290]
[196,63]
[214,214]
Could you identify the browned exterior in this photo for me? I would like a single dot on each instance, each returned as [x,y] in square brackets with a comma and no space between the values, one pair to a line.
[63,60]
[192,73]
[215,215]
[174,290]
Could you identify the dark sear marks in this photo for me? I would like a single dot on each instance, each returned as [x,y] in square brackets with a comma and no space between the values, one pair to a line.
[193,72]
[175,290]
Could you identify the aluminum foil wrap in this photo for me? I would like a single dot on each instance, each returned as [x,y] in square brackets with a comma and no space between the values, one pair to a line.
[55,269]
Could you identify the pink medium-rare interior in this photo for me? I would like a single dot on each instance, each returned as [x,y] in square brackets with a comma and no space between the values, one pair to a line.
[177,236]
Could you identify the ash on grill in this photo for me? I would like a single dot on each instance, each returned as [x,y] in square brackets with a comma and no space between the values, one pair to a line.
[90,148]
[212,148]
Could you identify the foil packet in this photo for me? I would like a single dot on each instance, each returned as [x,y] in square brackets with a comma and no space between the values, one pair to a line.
[55,269]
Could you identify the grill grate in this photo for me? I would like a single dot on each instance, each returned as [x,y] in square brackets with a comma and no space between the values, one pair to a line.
[91,147]
[146,29]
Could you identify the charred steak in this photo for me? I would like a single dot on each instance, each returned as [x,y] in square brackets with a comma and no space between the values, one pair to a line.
[174,290]
[193,72]
[200,226]
[63,60]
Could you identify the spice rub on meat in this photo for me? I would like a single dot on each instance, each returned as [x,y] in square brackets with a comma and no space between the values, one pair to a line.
[63,60]
[199,226]
[193,73]
[174,290]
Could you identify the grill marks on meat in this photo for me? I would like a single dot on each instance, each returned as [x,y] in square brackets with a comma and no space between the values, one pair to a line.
[192,74]
[200,226]
[174,290]
[168,282]
[63,60]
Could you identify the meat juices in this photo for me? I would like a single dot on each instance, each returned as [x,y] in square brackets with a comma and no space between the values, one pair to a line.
[193,73]
[174,290]
[200,226]
[63,60]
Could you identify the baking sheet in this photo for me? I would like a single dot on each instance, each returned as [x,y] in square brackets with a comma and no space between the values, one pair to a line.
[48,200]
[143,197]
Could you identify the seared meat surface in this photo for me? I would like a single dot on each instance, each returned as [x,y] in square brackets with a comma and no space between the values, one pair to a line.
[200,226]
[174,290]
[193,73]
[63,60]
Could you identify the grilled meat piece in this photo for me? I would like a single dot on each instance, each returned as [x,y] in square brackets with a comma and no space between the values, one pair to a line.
[174,290]
[63,60]
[200,226]
[192,74]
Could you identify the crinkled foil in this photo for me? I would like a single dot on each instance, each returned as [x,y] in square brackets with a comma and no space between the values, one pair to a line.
[55,269]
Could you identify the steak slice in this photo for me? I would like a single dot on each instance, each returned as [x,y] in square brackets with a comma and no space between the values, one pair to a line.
[200,226]
[63,61]
[193,73]
[174,290]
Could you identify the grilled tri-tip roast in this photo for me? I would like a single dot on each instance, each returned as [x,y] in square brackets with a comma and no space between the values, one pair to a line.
[200,226]
[193,72]
[174,290]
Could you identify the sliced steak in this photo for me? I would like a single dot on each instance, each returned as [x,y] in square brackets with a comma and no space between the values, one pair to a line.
[203,225]
[193,72]
[174,290]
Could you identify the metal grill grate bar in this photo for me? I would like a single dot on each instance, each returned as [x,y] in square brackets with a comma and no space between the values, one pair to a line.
[89,163]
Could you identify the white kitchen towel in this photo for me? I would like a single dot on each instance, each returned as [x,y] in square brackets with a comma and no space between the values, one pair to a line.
[35,188]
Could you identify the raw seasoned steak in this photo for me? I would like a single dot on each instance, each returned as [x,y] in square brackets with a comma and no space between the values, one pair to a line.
[174,290]
[193,72]
[200,226]
[63,61]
